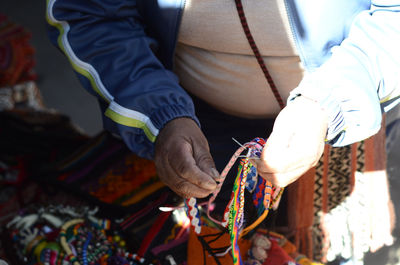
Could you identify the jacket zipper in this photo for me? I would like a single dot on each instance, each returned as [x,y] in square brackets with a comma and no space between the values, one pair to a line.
[177,34]
[294,34]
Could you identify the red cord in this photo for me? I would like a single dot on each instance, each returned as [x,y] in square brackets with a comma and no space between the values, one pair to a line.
[260,60]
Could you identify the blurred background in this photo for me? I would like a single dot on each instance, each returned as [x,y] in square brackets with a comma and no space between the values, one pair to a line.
[57,82]
[61,91]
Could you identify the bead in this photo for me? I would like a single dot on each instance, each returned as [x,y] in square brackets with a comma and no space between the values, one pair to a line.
[32,244]
[117,238]
[38,249]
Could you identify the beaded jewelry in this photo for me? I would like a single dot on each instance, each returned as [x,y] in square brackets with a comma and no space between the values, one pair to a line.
[81,239]
[63,240]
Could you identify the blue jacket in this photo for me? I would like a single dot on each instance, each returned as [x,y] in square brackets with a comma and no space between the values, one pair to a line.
[123,50]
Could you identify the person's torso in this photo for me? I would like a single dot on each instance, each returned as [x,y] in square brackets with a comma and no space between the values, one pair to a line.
[214,60]
[317,26]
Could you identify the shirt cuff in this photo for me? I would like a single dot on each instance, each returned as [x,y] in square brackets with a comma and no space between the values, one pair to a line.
[312,89]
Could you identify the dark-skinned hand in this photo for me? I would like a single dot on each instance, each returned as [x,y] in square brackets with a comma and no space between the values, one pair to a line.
[183,160]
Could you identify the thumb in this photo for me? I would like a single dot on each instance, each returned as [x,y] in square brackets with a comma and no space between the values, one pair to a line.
[204,161]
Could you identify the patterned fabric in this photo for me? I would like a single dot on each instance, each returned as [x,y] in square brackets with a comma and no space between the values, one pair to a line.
[350,211]
[16,54]
[338,188]
[23,95]
[316,231]
[106,172]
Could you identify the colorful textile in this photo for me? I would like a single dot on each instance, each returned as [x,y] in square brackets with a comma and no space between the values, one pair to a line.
[106,172]
[277,255]
[16,54]
[30,141]
[23,95]
[212,246]
[342,208]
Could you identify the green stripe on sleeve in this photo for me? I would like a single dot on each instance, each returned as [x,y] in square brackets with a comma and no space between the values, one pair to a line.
[81,70]
[118,118]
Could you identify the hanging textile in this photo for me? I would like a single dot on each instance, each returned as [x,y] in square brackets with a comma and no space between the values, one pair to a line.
[342,208]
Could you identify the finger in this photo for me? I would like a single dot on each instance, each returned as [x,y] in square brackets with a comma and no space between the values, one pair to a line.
[204,161]
[187,190]
[181,186]
[292,156]
[184,165]
[284,179]
[267,171]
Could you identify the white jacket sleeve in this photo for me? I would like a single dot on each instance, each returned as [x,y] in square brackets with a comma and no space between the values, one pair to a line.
[362,77]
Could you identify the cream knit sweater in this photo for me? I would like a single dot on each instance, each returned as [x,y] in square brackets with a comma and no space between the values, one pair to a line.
[214,60]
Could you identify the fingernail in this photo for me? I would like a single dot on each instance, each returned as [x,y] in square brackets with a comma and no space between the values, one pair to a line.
[210,185]
[215,174]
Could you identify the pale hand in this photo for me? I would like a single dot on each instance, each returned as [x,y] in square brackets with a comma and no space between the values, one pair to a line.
[295,144]
[183,160]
